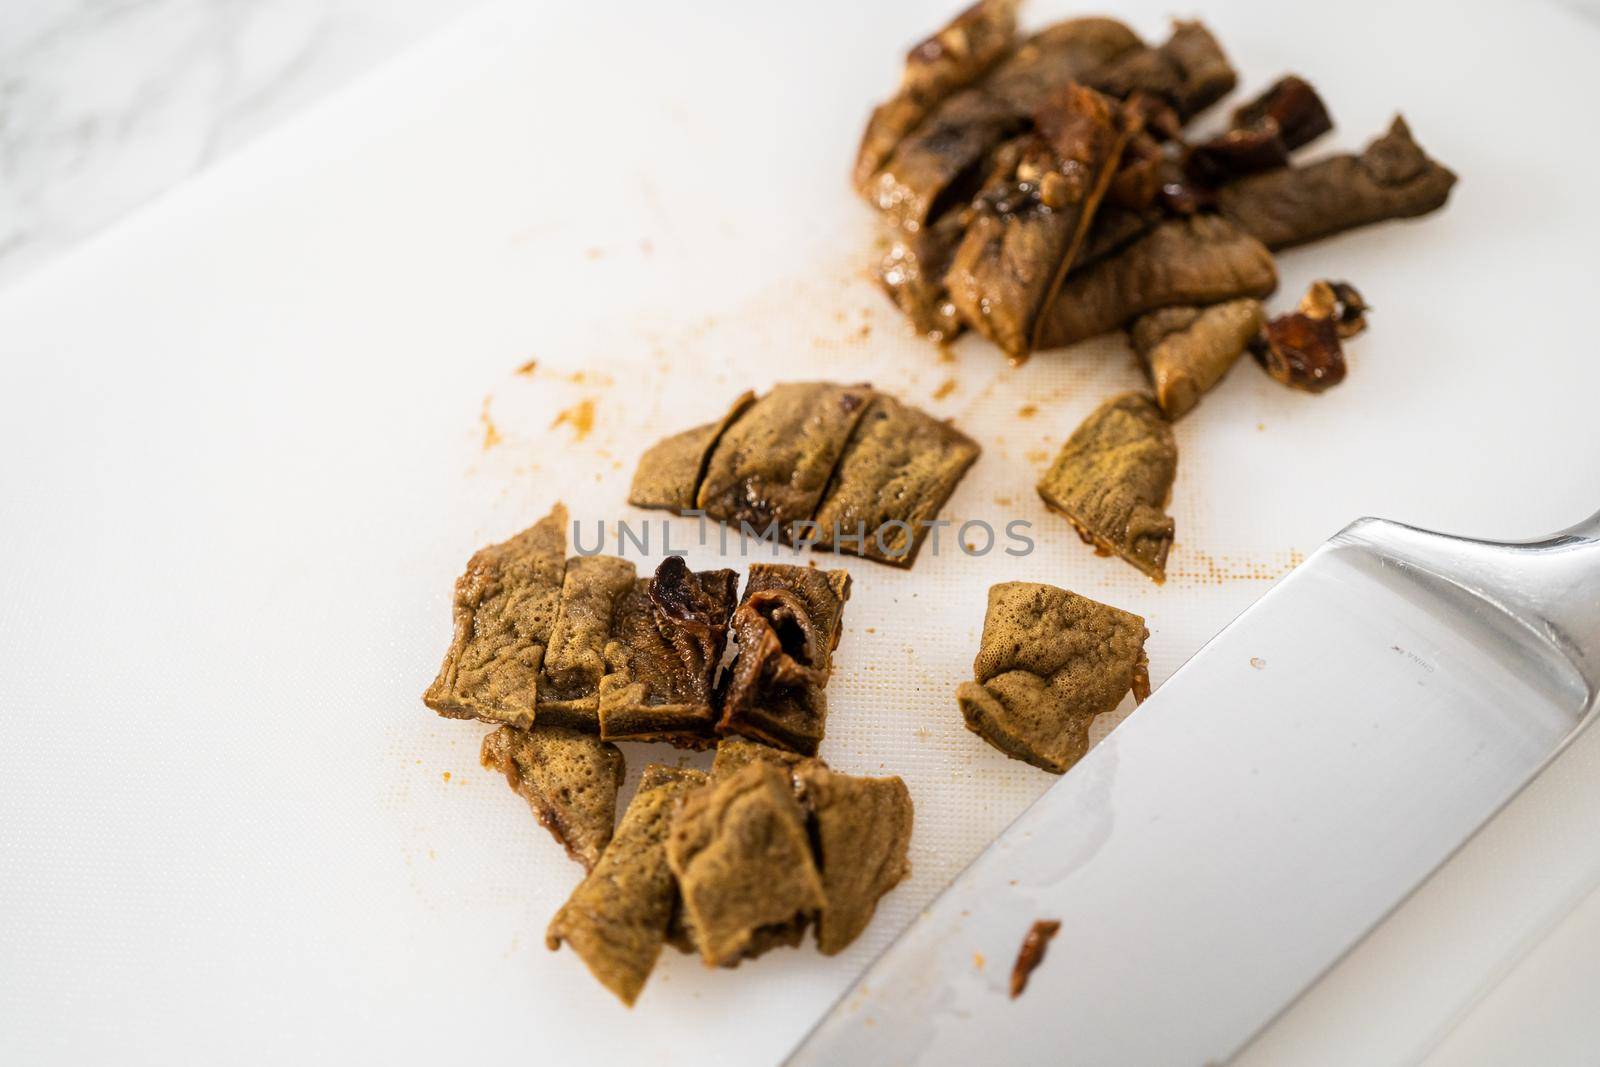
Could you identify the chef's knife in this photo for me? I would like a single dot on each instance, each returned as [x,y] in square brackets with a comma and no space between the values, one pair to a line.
[1252,820]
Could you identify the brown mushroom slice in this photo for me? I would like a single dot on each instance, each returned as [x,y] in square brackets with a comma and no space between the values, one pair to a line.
[736,753]
[1032,217]
[1339,301]
[1048,663]
[772,465]
[668,637]
[899,468]
[617,918]
[569,687]
[862,835]
[785,629]
[733,755]
[913,272]
[1066,52]
[1392,179]
[742,857]
[1112,479]
[937,166]
[1293,106]
[569,779]
[1114,228]
[936,67]
[1264,131]
[1187,350]
[505,607]
[1031,953]
[669,474]
[1202,259]
[1189,71]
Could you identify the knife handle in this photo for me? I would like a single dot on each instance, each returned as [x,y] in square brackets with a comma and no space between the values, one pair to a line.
[1537,600]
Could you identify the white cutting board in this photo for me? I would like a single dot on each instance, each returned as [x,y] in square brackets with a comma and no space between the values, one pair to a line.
[244,457]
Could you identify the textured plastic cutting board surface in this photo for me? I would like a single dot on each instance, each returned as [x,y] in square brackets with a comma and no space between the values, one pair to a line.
[250,439]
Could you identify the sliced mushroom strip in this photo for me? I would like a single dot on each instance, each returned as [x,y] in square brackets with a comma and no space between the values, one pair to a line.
[900,467]
[1187,350]
[1392,179]
[569,687]
[669,474]
[618,917]
[505,608]
[786,629]
[1112,480]
[1198,260]
[1033,215]
[772,465]
[1048,663]
[950,59]
[569,779]
[667,642]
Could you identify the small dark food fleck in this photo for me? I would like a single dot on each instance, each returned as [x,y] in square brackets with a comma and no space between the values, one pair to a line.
[1031,954]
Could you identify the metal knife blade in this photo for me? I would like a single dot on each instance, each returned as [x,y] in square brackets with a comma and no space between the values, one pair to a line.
[1252,820]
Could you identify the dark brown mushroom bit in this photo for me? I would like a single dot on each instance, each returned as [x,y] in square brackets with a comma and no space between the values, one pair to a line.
[1031,954]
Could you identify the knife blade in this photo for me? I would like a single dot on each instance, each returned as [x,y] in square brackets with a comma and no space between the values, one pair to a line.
[1255,817]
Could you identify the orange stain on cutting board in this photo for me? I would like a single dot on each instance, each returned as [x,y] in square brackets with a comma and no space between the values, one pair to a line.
[579,416]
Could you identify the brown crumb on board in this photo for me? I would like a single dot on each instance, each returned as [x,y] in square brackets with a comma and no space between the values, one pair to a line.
[580,417]
[1027,411]
[1031,954]
[945,390]
[527,369]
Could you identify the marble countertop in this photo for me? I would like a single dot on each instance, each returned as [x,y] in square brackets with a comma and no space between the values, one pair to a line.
[105,104]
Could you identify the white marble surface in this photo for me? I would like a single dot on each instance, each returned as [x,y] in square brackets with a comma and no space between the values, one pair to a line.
[105,104]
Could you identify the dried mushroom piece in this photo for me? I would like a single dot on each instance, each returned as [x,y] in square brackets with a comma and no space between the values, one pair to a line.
[1049,662]
[1393,178]
[1112,480]
[741,855]
[1198,260]
[862,835]
[1114,228]
[939,163]
[1339,301]
[1187,350]
[1190,71]
[1031,954]
[936,67]
[617,918]
[505,608]
[1264,131]
[1031,217]
[667,641]
[1302,349]
[913,273]
[669,473]
[569,779]
[1055,56]
[773,464]
[1293,106]
[811,461]
[786,629]
[736,753]
[569,687]
[899,468]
